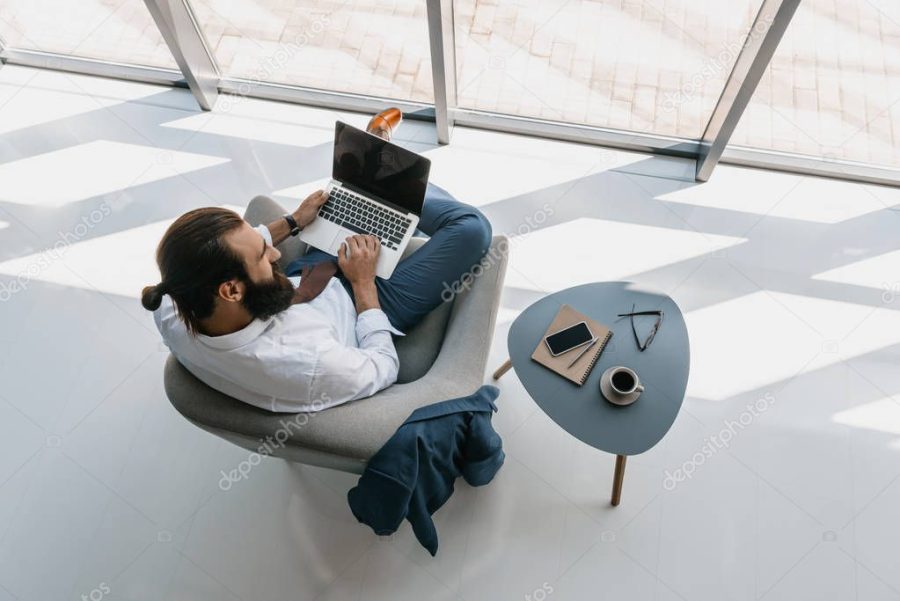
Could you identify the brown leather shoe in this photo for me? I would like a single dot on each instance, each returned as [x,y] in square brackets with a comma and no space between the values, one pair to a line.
[385,123]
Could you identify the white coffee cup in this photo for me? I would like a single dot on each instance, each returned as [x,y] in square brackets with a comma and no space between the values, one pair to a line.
[624,381]
[620,385]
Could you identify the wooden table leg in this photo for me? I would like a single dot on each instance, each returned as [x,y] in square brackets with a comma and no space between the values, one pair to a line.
[502,369]
[617,479]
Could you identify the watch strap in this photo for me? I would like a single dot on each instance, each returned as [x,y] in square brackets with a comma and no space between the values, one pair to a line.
[292,223]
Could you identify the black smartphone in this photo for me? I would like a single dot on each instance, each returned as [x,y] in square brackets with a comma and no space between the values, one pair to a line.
[572,337]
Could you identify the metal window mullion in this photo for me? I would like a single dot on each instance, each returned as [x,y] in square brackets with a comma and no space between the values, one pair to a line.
[182,35]
[441,37]
[766,32]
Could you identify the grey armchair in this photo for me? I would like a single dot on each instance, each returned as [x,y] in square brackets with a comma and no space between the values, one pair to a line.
[441,358]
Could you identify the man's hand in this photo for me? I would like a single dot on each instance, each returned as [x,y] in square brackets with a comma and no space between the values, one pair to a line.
[357,257]
[309,208]
[304,215]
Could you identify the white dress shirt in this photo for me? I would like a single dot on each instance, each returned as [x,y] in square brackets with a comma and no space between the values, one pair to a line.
[311,356]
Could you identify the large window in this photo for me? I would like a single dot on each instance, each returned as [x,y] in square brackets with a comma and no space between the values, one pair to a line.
[653,66]
[374,47]
[833,87]
[114,30]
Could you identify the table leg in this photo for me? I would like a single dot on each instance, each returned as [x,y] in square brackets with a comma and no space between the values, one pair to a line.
[502,369]
[617,479]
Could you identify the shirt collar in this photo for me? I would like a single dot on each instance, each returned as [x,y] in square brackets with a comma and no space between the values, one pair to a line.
[227,342]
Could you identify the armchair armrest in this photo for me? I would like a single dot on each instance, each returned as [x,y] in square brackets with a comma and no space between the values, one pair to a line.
[262,210]
[467,341]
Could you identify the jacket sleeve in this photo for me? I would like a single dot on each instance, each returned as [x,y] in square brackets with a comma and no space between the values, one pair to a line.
[483,451]
[381,498]
[396,484]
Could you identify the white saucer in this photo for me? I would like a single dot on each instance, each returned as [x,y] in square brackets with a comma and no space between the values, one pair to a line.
[611,395]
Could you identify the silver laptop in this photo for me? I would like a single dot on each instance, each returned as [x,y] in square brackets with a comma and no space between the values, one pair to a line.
[376,188]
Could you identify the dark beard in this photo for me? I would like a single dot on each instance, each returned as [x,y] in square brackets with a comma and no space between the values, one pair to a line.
[268,298]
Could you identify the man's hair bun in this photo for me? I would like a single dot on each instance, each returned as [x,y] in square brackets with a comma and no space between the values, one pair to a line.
[151,297]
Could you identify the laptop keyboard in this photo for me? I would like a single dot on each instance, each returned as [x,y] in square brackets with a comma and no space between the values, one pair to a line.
[365,217]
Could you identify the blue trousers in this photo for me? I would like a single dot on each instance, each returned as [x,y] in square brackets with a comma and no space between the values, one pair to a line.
[459,236]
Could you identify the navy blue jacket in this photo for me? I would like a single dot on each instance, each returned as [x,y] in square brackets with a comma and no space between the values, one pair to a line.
[412,475]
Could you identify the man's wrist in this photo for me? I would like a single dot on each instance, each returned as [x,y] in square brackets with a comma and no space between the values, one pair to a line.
[298,217]
[365,294]
[363,283]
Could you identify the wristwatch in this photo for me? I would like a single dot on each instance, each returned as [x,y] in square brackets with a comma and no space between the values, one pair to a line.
[292,223]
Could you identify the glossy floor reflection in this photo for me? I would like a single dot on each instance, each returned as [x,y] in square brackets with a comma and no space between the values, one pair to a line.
[789,286]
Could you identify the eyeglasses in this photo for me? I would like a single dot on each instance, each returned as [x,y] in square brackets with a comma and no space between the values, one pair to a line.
[659,318]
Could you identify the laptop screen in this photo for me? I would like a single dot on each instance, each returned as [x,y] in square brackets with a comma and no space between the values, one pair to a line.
[378,169]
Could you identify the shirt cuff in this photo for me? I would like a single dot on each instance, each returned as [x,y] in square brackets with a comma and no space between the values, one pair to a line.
[265,233]
[374,320]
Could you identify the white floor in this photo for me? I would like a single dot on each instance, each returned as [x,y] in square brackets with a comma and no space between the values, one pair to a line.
[790,287]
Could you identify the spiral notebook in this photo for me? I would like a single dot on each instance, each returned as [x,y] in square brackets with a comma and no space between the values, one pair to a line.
[579,372]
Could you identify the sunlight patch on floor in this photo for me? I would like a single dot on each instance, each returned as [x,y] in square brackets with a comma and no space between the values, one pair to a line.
[121,263]
[91,169]
[28,107]
[594,250]
[812,199]
[246,128]
[763,339]
[881,271]
[882,415]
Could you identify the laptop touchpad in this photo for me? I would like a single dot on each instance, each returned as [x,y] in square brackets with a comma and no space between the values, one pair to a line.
[339,238]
